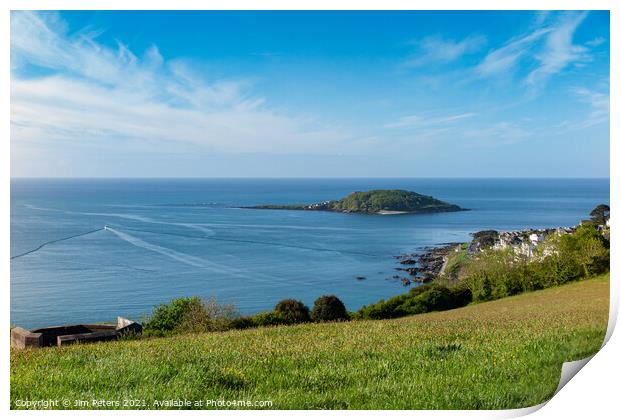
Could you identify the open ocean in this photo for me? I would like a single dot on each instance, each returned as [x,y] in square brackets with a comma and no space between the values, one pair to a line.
[181,237]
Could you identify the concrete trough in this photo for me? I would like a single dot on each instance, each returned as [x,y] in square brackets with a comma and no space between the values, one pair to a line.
[70,334]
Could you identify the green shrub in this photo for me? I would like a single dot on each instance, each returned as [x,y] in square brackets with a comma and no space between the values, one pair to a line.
[243,322]
[265,319]
[329,308]
[167,316]
[422,299]
[190,314]
[588,248]
[294,311]
[207,316]
[438,298]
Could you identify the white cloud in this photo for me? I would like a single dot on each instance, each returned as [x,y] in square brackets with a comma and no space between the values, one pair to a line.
[559,50]
[541,16]
[504,59]
[599,107]
[543,52]
[599,40]
[415,121]
[496,134]
[438,50]
[93,94]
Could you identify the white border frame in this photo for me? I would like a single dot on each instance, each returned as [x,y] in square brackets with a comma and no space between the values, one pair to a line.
[592,393]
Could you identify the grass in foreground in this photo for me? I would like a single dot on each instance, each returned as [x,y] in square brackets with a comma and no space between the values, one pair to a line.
[501,354]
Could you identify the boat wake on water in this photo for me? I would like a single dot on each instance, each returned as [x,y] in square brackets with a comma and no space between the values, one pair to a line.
[186,258]
[56,241]
[249,241]
[207,233]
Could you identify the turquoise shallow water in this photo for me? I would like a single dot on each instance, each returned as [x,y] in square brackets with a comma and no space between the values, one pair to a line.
[179,237]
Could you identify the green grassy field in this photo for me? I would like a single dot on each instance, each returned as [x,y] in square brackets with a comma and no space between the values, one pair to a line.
[502,354]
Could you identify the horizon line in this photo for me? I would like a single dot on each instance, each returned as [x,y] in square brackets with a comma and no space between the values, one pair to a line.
[306,177]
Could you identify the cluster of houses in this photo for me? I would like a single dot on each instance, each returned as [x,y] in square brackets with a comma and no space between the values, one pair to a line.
[525,243]
[318,206]
[529,244]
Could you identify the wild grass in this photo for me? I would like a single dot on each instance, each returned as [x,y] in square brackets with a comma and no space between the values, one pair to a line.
[502,354]
[455,261]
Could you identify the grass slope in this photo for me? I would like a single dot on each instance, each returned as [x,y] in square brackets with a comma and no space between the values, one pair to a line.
[501,354]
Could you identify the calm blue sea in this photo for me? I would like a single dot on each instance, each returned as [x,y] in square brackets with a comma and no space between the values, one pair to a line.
[181,237]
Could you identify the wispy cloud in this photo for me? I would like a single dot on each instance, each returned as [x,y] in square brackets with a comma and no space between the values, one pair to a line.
[598,104]
[438,50]
[496,134]
[544,51]
[504,59]
[91,92]
[416,121]
[599,40]
[559,50]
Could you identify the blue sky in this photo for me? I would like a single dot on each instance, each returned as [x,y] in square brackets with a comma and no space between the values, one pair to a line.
[106,94]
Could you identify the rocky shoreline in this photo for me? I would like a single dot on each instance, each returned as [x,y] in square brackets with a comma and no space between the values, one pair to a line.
[424,266]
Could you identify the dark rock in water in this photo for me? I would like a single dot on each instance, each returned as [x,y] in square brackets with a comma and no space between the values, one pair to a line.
[395,277]
[360,278]
[405,256]
[405,281]
[428,264]
[412,271]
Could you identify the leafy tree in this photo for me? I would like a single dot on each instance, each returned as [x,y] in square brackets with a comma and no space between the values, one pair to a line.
[588,248]
[600,214]
[329,308]
[294,311]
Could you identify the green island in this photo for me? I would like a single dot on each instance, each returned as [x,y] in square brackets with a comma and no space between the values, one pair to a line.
[374,202]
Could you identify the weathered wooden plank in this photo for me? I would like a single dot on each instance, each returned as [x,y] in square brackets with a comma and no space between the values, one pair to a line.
[22,338]
[68,334]
[85,337]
